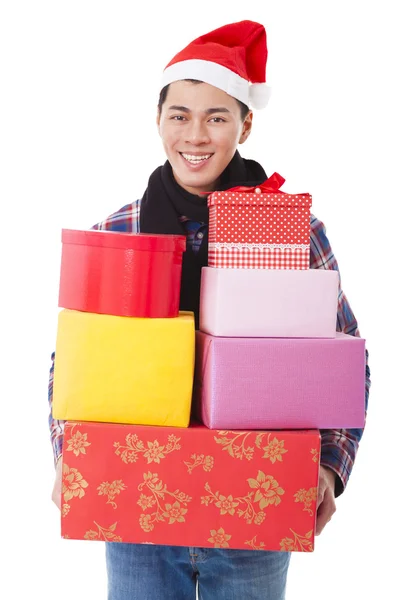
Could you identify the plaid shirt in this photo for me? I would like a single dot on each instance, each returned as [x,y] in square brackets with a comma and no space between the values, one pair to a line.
[338,446]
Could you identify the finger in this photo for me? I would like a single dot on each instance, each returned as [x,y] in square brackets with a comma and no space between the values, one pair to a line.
[56,497]
[321,494]
[324,514]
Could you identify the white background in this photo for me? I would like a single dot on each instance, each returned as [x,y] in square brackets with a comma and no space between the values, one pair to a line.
[79,84]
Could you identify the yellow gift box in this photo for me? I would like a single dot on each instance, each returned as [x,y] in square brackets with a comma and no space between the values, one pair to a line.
[124,369]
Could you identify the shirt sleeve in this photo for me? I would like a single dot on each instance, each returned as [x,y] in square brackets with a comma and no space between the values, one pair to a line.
[56,426]
[126,220]
[338,446]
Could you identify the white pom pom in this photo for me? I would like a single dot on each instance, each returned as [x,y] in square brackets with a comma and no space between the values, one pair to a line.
[259,94]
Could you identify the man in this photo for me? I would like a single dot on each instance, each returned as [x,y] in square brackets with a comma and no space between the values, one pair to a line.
[203,114]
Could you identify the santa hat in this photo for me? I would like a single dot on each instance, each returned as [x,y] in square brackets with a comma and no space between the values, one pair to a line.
[232,58]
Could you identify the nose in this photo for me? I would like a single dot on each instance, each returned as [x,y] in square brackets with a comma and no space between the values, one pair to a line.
[196,132]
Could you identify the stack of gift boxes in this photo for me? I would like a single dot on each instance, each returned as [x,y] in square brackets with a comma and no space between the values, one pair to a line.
[269,371]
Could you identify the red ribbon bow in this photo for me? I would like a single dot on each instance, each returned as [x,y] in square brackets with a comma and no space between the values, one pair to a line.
[270,185]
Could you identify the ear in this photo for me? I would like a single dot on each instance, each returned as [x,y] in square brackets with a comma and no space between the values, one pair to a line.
[246,127]
[158,120]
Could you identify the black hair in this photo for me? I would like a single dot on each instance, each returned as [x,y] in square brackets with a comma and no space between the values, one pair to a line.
[163,95]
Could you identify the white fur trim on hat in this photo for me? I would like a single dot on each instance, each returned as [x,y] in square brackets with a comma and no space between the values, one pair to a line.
[209,72]
[259,95]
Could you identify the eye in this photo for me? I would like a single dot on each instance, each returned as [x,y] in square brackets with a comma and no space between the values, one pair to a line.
[177,118]
[218,120]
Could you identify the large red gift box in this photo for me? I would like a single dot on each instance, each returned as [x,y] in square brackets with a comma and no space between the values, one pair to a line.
[190,487]
[121,274]
[259,228]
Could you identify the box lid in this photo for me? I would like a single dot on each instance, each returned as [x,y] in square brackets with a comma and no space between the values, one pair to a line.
[256,199]
[134,241]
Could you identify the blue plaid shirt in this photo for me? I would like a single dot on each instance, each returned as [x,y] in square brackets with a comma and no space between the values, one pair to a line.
[338,446]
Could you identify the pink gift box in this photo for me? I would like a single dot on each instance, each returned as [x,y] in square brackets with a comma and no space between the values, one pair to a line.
[268,302]
[278,383]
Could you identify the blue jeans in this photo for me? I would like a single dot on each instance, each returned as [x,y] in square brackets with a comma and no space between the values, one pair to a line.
[152,572]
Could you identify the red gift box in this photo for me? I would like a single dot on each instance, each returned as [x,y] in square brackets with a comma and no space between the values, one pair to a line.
[122,274]
[259,228]
[190,487]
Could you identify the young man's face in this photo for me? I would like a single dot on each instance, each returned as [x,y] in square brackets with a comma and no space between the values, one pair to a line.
[200,126]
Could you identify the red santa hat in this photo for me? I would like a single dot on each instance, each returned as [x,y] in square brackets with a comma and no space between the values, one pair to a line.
[232,58]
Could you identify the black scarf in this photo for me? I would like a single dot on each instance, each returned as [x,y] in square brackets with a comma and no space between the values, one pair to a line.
[165,201]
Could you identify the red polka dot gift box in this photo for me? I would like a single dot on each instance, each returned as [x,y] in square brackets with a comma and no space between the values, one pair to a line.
[259,227]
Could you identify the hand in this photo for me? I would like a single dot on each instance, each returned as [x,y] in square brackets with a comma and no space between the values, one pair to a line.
[326,498]
[56,495]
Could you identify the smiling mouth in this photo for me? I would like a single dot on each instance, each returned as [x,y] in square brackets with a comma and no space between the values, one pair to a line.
[195,160]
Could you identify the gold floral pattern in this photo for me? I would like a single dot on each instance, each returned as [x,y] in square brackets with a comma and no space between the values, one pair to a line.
[146,501]
[103,533]
[111,490]
[207,462]
[299,542]
[274,449]
[253,544]
[236,443]
[77,442]
[268,490]
[315,454]
[145,522]
[308,497]
[226,505]
[65,510]
[173,512]
[153,452]
[73,484]
[219,538]
[267,493]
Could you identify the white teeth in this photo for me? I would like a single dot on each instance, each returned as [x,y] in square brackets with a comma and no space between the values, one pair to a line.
[195,159]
